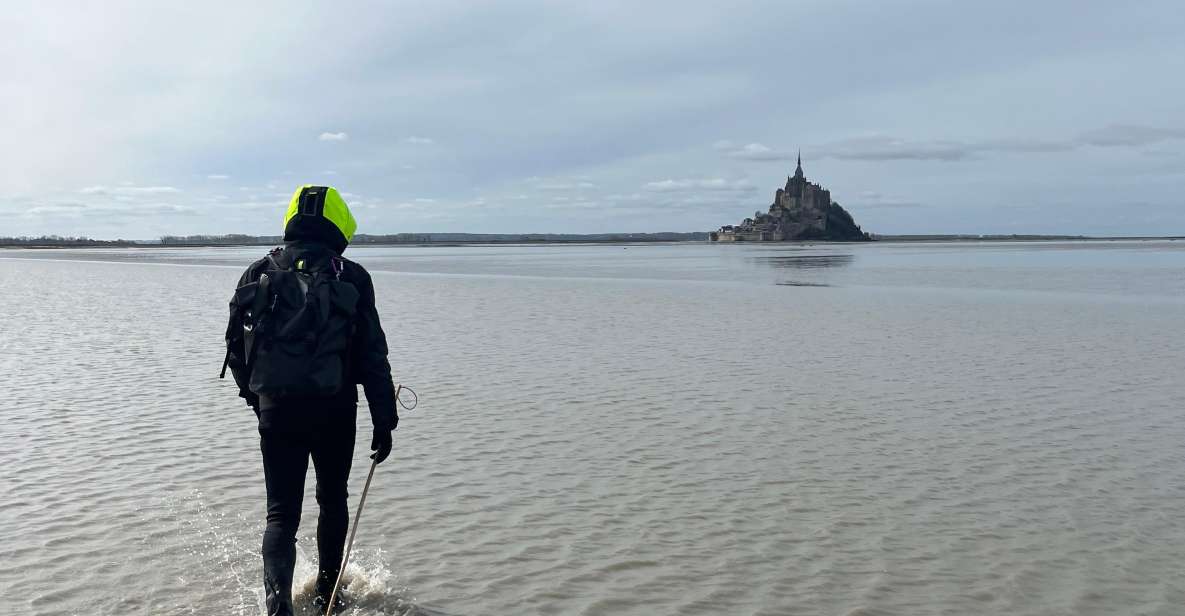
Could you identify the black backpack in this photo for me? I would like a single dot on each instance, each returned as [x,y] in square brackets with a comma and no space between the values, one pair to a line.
[297,319]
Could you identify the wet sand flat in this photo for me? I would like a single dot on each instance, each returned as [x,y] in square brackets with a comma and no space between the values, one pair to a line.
[914,429]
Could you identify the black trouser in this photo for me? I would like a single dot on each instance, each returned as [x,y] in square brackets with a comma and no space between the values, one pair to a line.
[288,437]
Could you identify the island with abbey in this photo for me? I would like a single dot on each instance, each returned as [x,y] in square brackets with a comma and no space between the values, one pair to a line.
[803,210]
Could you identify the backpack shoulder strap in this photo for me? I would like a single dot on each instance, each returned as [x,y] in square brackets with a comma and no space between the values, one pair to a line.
[274,256]
[260,304]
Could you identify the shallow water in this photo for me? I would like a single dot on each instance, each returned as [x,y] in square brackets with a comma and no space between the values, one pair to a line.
[914,429]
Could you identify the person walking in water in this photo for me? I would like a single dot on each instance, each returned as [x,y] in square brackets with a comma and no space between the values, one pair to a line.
[303,333]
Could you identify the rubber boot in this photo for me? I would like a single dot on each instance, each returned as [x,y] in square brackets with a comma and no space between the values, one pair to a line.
[324,588]
[277,595]
[278,564]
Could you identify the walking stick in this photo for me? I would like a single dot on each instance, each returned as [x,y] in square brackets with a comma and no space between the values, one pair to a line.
[354,528]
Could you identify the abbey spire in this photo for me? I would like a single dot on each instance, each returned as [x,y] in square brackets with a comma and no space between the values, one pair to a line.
[798,171]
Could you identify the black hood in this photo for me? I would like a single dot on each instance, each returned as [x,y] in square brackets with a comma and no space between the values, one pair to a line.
[316,230]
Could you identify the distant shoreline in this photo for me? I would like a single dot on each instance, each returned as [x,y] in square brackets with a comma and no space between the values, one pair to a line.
[1022,238]
[476,239]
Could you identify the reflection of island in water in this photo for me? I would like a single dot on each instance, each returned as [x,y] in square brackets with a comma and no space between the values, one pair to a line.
[809,269]
[799,283]
[806,262]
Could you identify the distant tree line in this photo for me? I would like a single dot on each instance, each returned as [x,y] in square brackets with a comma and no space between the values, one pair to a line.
[238,239]
[233,239]
[526,238]
[973,237]
[46,241]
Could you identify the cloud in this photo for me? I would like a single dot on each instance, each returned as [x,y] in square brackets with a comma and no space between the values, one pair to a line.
[56,209]
[888,148]
[107,212]
[1129,135]
[129,190]
[217,176]
[698,185]
[159,208]
[474,101]
[1023,145]
[564,186]
[874,199]
[753,151]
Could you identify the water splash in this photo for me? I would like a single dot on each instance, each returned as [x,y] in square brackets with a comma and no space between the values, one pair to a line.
[369,588]
[228,546]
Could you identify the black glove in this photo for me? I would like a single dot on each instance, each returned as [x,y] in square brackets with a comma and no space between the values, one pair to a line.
[380,445]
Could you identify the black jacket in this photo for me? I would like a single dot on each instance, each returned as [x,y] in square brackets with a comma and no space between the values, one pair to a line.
[366,366]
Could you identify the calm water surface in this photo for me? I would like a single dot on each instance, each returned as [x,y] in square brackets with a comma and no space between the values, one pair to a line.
[888,429]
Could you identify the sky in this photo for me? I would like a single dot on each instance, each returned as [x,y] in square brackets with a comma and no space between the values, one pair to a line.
[136,120]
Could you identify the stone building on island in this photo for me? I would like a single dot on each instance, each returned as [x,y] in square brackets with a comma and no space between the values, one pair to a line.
[802,210]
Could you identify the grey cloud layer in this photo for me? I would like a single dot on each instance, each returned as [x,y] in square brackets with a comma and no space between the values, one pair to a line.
[884,148]
[438,115]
